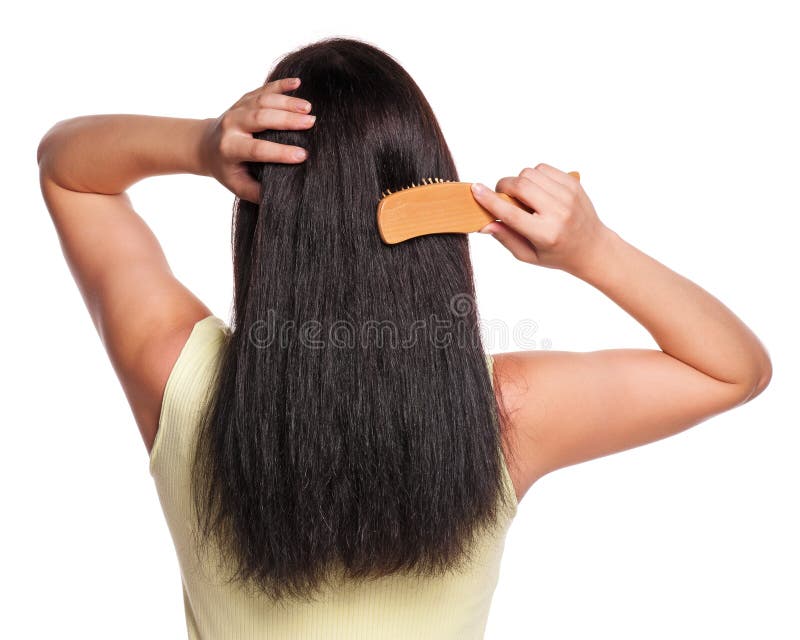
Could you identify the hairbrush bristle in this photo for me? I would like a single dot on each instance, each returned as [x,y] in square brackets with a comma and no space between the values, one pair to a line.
[425,181]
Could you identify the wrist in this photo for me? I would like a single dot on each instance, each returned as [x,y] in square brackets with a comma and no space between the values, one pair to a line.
[598,255]
[198,151]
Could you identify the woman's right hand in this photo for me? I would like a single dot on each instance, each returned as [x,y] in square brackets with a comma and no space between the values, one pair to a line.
[561,230]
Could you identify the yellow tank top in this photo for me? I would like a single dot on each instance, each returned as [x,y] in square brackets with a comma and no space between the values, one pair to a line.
[397,607]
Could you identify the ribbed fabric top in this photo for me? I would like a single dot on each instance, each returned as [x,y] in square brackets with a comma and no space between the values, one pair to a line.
[400,606]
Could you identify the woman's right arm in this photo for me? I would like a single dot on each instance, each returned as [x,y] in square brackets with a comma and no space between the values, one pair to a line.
[569,407]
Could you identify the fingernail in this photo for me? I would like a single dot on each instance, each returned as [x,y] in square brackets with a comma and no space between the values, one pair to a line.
[300,154]
[295,82]
[487,229]
[309,119]
[478,188]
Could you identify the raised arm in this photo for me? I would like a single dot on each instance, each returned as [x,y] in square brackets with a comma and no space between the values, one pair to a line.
[142,313]
[567,407]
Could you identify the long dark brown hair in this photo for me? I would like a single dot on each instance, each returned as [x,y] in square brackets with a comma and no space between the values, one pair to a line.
[353,423]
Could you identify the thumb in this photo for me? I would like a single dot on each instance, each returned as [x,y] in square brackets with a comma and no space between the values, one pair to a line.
[519,246]
[246,188]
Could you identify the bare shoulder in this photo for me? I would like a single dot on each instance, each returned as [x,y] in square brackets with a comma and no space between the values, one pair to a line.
[153,370]
[567,407]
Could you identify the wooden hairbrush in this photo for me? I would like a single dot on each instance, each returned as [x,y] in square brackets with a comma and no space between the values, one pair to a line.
[435,206]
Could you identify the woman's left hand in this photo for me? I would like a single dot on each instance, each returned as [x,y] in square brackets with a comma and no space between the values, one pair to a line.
[227,142]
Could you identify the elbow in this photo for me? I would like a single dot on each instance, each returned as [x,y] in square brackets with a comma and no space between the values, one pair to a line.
[46,142]
[760,381]
[41,150]
[764,380]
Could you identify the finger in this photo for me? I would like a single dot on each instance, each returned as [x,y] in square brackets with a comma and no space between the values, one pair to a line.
[252,120]
[567,179]
[276,86]
[246,188]
[500,208]
[553,187]
[280,101]
[531,194]
[519,246]
[248,148]
[282,84]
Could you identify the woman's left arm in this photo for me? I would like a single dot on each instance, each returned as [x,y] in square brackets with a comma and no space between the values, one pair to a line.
[140,310]
[142,313]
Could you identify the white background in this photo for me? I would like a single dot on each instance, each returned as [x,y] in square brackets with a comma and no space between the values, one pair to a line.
[683,121]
